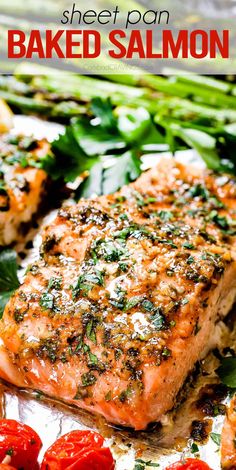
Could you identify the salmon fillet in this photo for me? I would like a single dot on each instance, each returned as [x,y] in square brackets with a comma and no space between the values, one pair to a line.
[228,438]
[21,183]
[126,294]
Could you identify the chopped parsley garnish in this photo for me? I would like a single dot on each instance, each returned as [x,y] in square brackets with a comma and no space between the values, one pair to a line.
[158,320]
[221,221]
[167,242]
[87,281]
[90,331]
[119,300]
[46,300]
[141,464]
[166,352]
[133,301]
[93,359]
[194,448]
[136,231]
[109,250]
[165,215]
[125,394]
[199,191]
[148,305]
[216,438]
[88,379]
[188,245]
[55,283]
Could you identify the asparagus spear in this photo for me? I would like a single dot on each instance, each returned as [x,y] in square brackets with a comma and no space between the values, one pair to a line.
[205,81]
[171,86]
[84,88]
[51,78]
[26,104]
[64,109]
[190,111]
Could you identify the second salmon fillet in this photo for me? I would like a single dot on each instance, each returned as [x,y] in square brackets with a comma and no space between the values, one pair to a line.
[126,295]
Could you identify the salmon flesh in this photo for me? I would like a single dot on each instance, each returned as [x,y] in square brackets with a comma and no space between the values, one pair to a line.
[126,295]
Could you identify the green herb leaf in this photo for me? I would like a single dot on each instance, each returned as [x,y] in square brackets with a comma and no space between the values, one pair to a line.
[68,159]
[165,215]
[194,448]
[46,300]
[87,281]
[55,283]
[188,246]
[125,169]
[158,320]
[102,109]
[215,438]
[95,140]
[92,185]
[227,371]
[9,281]
[88,379]
[205,144]
[133,123]
[133,301]
[141,464]
[221,221]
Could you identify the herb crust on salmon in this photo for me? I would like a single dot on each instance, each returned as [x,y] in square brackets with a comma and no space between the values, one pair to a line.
[22,183]
[126,294]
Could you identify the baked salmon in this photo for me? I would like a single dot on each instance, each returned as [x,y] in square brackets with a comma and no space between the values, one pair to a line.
[126,294]
[21,183]
[228,438]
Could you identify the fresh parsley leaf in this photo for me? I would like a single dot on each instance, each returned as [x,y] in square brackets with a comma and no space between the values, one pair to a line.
[203,143]
[9,281]
[133,123]
[92,185]
[94,140]
[90,331]
[125,169]
[227,371]
[68,160]
[102,109]
[93,358]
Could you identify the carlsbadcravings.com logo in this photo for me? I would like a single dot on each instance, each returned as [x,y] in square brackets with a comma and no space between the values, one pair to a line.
[116,34]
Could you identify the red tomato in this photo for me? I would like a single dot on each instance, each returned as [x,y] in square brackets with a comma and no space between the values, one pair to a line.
[78,450]
[21,443]
[189,464]
[4,466]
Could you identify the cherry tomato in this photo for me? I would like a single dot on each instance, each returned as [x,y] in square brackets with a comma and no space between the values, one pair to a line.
[21,443]
[189,464]
[4,466]
[78,450]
